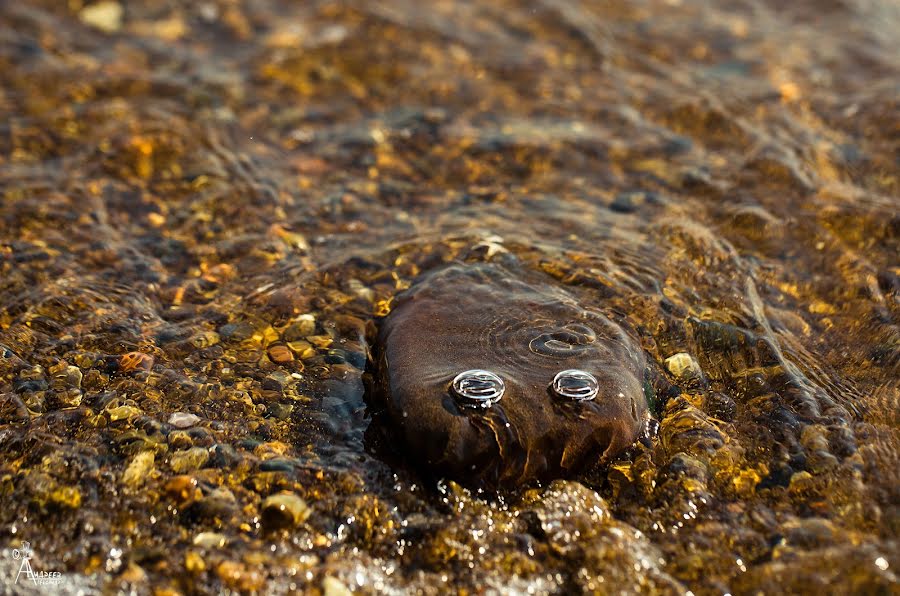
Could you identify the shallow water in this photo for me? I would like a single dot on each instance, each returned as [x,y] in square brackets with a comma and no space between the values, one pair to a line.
[207,206]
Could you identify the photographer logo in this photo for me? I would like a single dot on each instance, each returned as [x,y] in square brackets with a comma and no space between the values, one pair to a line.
[27,572]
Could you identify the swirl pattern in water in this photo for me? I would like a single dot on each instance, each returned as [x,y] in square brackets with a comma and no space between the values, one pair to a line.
[570,379]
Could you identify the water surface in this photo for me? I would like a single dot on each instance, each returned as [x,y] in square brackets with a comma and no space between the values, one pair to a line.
[206,206]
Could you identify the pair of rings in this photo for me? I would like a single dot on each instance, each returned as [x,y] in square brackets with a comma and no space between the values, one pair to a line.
[482,388]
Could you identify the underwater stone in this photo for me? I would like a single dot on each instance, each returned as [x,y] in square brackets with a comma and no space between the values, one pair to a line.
[683,366]
[183,420]
[525,331]
[224,456]
[188,460]
[284,510]
[139,469]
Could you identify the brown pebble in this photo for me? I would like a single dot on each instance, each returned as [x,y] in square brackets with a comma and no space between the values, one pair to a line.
[133,361]
[182,489]
[280,353]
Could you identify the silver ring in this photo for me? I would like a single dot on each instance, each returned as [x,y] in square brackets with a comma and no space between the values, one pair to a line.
[476,387]
[575,384]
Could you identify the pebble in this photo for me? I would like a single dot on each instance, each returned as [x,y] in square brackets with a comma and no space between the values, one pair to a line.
[303,349]
[31,379]
[236,331]
[105,16]
[139,469]
[631,201]
[224,456]
[183,420]
[320,341]
[123,412]
[210,540]
[280,353]
[302,326]
[238,577]
[181,489]
[201,437]
[276,381]
[279,411]
[683,366]
[336,356]
[66,497]
[278,464]
[68,398]
[284,510]
[133,574]
[802,483]
[179,439]
[65,376]
[188,460]
[220,504]
[133,361]
[194,563]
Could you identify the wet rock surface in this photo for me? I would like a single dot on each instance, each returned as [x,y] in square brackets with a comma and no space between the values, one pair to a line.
[485,325]
[205,207]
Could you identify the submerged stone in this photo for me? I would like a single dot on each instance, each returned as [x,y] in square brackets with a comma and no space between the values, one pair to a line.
[557,385]
[284,510]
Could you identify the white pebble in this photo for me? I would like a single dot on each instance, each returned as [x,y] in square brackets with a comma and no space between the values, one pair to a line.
[183,420]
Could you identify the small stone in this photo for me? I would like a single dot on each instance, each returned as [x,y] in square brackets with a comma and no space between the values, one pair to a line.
[280,353]
[183,420]
[123,413]
[360,290]
[277,381]
[336,356]
[303,326]
[284,510]
[181,489]
[201,437]
[179,439]
[94,380]
[238,577]
[236,331]
[631,201]
[204,340]
[683,366]
[194,563]
[219,504]
[224,456]
[279,411]
[139,469]
[66,496]
[132,361]
[278,464]
[30,380]
[802,483]
[189,460]
[65,376]
[303,349]
[323,342]
[210,540]
[105,16]
[68,398]
[331,586]
[133,574]
[74,376]
[821,461]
